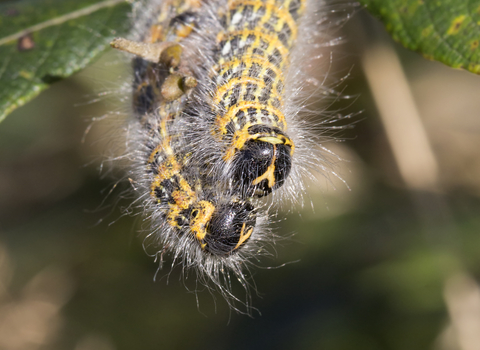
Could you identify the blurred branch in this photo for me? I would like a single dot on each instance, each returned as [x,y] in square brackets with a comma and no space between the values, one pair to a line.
[418,167]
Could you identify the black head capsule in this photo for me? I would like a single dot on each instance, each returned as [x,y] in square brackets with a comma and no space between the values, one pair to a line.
[261,166]
[230,227]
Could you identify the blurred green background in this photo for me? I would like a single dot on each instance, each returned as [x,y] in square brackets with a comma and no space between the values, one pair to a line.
[390,263]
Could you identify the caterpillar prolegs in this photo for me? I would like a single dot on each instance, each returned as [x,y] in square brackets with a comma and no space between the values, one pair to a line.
[215,123]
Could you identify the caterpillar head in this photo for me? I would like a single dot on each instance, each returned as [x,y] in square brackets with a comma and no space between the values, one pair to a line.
[263,163]
[229,228]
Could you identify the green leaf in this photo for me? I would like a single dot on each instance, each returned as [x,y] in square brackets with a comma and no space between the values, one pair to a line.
[444,30]
[42,41]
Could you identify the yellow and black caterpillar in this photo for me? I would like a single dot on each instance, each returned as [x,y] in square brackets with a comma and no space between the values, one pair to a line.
[251,60]
[184,199]
[204,230]
[216,102]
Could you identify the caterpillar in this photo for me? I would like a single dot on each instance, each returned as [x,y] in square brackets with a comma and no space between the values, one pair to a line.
[214,128]
[243,118]
[252,55]
[203,228]
[183,199]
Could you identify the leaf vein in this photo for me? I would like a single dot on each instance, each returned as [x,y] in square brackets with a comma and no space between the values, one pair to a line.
[60,20]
